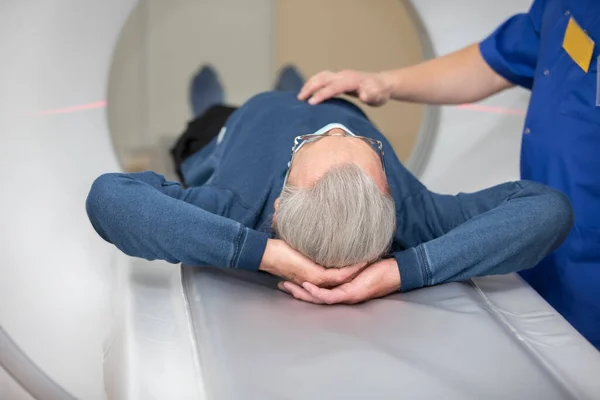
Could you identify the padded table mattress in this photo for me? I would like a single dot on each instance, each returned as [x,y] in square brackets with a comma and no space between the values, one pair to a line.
[490,338]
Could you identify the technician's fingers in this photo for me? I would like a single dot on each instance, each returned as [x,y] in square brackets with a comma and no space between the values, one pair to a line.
[334,88]
[315,83]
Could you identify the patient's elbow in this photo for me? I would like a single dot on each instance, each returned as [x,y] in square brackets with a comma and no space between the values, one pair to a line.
[560,216]
[102,190]
[100,199]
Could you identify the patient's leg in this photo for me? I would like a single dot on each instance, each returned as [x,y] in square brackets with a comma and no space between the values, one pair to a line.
[206,100]
[205,91]
[199,135]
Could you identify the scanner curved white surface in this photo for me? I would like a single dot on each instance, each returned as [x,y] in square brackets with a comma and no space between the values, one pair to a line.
[57,278]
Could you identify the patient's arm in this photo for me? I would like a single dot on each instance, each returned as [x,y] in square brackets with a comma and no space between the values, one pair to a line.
[503,229]
[451,238]
[146,216]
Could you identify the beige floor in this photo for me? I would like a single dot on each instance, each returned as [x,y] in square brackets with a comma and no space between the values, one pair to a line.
[163,44]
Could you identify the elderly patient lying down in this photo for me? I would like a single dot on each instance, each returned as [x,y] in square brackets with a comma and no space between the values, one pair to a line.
[338,217]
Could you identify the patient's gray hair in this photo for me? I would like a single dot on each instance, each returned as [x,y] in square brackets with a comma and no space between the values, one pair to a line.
[342,220]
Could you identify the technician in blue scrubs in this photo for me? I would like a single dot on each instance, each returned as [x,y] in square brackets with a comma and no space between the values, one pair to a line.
[553,50]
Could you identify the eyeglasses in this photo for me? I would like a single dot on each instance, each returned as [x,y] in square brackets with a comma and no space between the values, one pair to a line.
[301,140]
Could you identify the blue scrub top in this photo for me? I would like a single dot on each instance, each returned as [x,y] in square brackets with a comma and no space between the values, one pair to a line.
[561,144]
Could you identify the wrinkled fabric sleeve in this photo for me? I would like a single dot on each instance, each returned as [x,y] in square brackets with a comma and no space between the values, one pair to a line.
[146,216]
[506,228]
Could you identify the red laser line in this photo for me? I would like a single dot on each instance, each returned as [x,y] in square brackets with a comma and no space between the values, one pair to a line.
[491,109]
[70,109]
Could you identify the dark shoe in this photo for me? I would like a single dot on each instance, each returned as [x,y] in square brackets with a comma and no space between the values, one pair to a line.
[205,91]
[289,79]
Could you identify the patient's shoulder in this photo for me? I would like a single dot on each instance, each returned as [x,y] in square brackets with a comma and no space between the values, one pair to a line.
[273,99]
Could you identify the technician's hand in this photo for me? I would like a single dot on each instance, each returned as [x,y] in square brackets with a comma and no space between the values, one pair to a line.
[377,280]
[281,260]
[374,89]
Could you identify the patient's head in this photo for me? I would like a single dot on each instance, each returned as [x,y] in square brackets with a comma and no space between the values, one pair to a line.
[336,208]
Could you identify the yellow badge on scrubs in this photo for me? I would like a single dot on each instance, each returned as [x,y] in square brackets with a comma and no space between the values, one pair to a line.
[578,45]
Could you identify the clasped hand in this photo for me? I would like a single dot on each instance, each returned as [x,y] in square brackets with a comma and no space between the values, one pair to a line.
[313,283]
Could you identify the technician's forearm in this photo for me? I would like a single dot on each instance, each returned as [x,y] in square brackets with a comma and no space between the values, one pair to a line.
[459,77]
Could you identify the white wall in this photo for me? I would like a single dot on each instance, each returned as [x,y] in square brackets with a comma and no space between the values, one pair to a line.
[474,149]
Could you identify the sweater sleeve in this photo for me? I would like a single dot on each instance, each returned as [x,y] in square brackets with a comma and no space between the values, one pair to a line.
[503,229]
[146,216]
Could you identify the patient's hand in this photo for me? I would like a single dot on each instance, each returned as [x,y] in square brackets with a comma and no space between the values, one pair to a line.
[281,260]
[377,280]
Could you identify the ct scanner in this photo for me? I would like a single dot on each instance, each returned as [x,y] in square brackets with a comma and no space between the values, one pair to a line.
[80,320]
